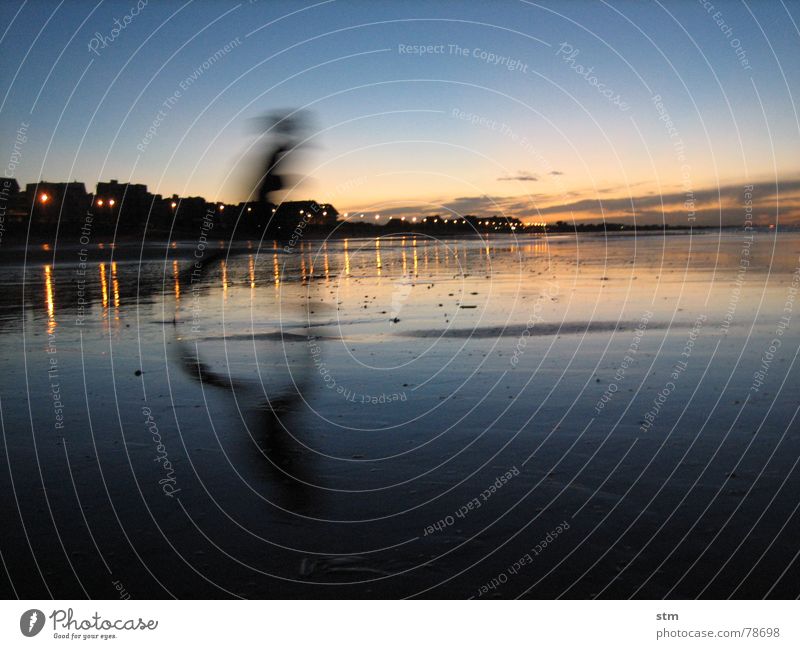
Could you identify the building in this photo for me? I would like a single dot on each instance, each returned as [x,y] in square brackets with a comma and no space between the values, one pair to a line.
[9,197]
[129,210]
[9,189]
[125,198]
[50,202]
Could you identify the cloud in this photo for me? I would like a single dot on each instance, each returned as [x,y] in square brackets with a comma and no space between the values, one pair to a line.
[476,204]
[708,194]
[524,176]
[722,205]
[556,173]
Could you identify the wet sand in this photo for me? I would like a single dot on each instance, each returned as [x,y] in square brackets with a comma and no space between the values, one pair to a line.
[404,417]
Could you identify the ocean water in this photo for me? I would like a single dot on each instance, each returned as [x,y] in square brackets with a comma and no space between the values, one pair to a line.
[552,416]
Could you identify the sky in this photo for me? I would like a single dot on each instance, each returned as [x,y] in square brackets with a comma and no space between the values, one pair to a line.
[623,111]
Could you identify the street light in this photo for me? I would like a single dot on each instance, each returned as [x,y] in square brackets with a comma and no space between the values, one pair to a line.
[44,198]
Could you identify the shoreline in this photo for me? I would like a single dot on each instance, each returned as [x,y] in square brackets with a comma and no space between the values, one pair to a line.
[15,251]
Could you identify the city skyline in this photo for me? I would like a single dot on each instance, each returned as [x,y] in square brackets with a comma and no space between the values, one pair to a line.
[138,199]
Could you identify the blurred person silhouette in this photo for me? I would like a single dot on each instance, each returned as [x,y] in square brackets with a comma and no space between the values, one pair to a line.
[286,129]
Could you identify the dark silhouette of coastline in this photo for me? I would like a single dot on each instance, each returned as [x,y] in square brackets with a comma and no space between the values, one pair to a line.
[63,212]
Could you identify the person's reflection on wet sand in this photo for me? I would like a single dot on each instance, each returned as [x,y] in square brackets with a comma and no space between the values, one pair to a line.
[268,419]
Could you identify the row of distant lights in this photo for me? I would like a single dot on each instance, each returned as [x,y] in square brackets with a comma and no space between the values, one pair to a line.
[173,204]
[413,219]
[44,198]
[457,221]
[111,202]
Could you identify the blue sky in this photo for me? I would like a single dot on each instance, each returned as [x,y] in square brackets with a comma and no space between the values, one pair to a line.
[394,132]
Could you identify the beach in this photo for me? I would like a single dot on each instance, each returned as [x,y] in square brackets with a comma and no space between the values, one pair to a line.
[544,416]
